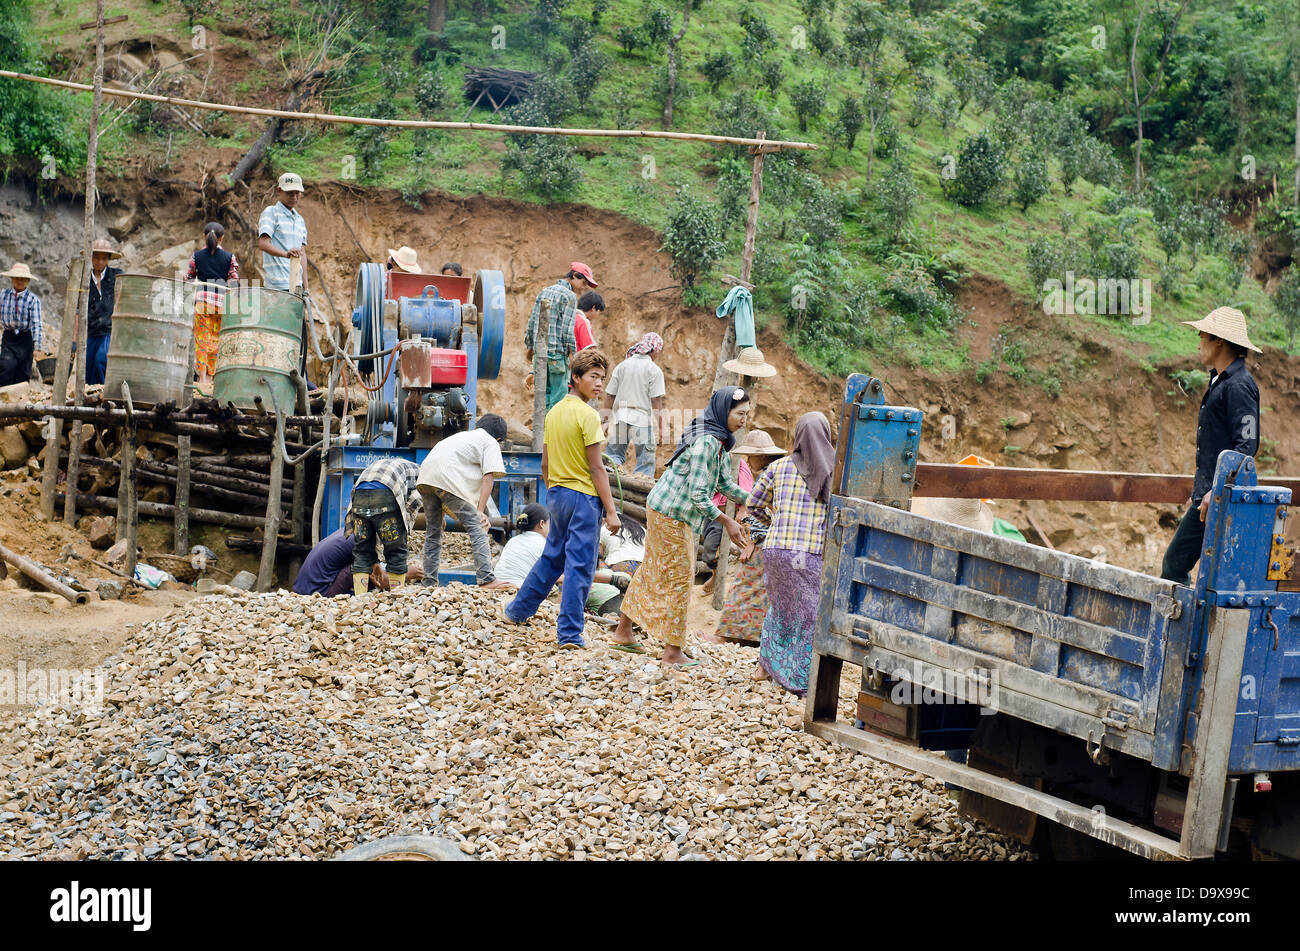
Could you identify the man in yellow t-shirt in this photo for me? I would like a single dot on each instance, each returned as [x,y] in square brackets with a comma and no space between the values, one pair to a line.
[577,492]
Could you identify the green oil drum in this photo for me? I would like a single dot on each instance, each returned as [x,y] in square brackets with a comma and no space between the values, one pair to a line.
[151,342]
[261,336]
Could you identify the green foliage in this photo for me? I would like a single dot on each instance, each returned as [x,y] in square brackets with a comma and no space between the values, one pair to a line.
[886,137]
[981,166]
[717,69]
[759,38]
[632,39]
[658,27]
[772,75]
[431,93]
[896,192]
[1032,179]
[821,216]
[545,20]
[1190,381]
[34,120]
[849,120]
[922,100]
[547,167]
[1286,303]
[692,238]
[820,36]
[809,99]
[585,69]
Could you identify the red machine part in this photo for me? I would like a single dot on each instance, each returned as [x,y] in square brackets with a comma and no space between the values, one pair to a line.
[404,284]
[423,366]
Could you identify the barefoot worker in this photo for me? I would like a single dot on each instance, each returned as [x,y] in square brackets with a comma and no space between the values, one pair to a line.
[215,268]
[677,507]
[577,490]
[1229,419]
[792,496]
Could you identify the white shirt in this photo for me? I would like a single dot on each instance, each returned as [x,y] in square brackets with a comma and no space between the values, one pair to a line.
[518,557]
[620,548]
[459,463]
[633,384]
[287,230]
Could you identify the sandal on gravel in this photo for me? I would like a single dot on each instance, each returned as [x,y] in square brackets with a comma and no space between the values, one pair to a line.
[633,648]
[682,665]
[570,646]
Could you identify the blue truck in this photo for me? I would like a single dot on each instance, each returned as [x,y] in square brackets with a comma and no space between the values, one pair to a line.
[1159,718]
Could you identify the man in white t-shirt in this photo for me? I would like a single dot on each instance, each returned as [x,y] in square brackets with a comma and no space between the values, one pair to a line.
[456,477]
[635,393]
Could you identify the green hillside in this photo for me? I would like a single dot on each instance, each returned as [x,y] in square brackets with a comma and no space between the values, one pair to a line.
[980,112]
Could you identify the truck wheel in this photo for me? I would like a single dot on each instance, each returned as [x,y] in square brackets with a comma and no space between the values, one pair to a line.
[406,848]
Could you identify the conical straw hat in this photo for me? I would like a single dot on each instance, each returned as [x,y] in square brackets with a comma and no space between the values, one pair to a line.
[1227,323]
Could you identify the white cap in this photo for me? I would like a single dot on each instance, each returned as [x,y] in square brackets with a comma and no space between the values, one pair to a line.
[290,182]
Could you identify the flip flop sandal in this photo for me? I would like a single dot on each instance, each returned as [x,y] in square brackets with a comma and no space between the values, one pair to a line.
[692,662]
[632,648]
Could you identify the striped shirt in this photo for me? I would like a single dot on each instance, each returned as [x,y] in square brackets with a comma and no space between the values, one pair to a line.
[685,491]
[287,230]
[22,312]
[564,306]
[398,476]
[797,520]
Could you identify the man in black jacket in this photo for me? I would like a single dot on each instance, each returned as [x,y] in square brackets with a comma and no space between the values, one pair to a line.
[103,288]
[1229,419]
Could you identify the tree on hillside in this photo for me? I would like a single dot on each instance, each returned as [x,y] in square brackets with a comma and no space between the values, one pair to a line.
[437,18]
[1286,303]
[673,40]
[809,99]
[692,238]
[1166,19]
[849,121]
[717,68]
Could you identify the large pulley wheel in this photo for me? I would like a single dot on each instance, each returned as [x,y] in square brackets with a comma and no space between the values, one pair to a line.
[490,299]
[368,301]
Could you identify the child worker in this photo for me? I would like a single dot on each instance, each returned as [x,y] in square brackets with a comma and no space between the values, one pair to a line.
[577,493]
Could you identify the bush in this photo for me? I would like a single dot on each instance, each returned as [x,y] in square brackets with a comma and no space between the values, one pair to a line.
[658,26]
[585,70]
[717,68]
[772,75]
[809,99]
[759,37]
[897,194]
[822,215]
[848,123]
[682,90]
[1170,238]
[545,20]
[922,100]
[1032,180]
[577,34]
[821,36]
[981,165]
[692,238]
[916,290]
[949,111]
[371,143]
[431,93]
[632,38]
[546,167]
[1286,303]
[886,137]
[554,98]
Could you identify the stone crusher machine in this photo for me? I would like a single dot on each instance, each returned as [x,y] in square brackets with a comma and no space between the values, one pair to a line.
[1157,717]
[446,333]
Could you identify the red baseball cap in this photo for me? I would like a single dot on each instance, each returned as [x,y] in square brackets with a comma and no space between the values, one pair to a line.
[585,271]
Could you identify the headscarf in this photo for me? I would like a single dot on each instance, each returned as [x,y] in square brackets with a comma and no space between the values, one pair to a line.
[649,343]
[813,455]
[713,421]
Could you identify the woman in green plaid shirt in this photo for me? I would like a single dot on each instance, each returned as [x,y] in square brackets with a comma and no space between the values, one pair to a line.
[677,508]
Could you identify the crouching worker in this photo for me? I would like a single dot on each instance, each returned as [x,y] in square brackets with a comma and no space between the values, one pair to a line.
[327,569]
[385,501]
[577,493]
[525,548]
[456,478]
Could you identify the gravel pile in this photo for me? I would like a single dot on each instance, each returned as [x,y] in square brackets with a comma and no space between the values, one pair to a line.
[281,726]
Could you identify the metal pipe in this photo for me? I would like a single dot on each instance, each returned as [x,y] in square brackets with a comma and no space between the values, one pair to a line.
[42,577]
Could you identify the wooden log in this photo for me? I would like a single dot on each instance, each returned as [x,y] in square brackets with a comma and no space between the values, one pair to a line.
[167,475]
[939,480]
[163,510]
[42,577]
[633,483]
[272,517]
[246,460]
[636,511]
[182,545]
[247,543]
[541,340]
[50,474]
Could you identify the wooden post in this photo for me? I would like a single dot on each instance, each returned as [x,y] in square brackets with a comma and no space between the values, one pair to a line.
[728,350]
[272,529]
[128,519]
[68,333]
[541,344]
[182,546]
[79,367]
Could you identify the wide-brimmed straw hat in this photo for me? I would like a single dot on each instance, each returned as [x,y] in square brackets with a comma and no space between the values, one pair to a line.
[104,246]
[750,362]
[18,270]
[1227,323]
[406,259]
[758,443]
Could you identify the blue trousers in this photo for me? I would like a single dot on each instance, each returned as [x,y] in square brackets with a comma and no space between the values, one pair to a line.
[570,551]
[97,358]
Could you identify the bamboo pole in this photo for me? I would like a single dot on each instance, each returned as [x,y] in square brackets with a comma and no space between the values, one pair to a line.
[79,367]
[127,482]
[182,545]
[272,530]
[50,474]
[415,123]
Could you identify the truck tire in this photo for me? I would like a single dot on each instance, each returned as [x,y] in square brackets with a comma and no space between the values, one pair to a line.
[406,848]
